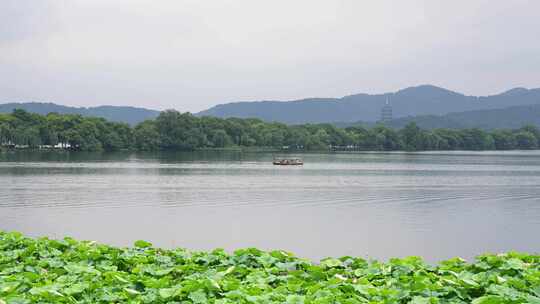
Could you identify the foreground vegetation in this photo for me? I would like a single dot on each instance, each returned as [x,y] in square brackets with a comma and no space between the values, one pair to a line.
[70,271]
[172,130]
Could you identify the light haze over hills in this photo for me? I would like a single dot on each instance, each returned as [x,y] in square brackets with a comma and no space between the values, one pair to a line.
[506,118]
[429,105]
[412,101]
[130,115]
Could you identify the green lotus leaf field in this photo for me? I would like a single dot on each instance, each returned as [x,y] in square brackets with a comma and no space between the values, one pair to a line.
[70,271]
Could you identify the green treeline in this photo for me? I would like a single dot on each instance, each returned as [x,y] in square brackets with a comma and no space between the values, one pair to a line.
[172,130]
[25,129]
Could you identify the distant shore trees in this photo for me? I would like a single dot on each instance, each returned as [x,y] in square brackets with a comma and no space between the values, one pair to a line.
[173,130]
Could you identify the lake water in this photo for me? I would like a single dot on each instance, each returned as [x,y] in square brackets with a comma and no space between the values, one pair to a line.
[379,205]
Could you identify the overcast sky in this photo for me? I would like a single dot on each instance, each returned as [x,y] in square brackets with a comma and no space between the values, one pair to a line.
[192,54]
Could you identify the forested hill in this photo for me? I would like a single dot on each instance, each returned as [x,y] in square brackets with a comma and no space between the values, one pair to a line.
[506,118]
[413,101]
[130,115]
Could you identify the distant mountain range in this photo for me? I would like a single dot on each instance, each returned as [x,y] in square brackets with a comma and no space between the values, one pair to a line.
[505,118]
[428,105]
[130,115]
[413,101]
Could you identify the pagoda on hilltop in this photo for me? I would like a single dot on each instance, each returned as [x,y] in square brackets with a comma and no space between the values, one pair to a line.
[386,112]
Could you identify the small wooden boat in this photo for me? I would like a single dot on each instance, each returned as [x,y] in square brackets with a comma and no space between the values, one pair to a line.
[288,162]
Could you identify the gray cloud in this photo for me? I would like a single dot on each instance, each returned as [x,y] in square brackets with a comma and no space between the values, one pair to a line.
[191,54]
[24,19]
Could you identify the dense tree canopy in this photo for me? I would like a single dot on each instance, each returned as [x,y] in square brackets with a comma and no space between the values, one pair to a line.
[26,129]
[173,130]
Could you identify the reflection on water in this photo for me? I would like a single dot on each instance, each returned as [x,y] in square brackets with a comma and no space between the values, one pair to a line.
[379,205]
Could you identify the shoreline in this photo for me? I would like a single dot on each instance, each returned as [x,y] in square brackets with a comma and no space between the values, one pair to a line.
[255,150]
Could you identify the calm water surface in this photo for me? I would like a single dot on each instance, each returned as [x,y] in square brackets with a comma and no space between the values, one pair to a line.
[380,205]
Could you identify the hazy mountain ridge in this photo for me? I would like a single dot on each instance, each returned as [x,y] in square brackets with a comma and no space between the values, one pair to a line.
[130,115]
[412,101]
[505,118]
[429,105]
